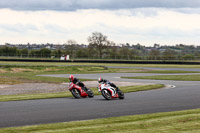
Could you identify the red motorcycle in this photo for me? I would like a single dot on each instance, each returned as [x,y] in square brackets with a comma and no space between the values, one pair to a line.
[79,92]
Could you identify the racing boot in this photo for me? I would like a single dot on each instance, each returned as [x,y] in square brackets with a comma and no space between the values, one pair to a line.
[117,89]
[85,88]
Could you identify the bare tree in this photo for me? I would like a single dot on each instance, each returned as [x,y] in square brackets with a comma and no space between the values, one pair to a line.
[98,41]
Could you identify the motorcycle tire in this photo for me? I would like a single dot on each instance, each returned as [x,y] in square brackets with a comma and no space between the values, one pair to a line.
[76,93]
[106,94]
[90,93]
[121,95]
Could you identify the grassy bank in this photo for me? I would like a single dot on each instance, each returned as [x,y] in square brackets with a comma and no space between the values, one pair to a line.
[169,77]
[127,89]
[8,81]
[97,64]
[28,72]
[170,122]
[166,71]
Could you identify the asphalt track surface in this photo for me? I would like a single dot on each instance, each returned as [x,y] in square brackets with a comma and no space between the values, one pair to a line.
[180,95]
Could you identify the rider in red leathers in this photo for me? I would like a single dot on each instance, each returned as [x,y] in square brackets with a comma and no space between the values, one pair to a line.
[77,82]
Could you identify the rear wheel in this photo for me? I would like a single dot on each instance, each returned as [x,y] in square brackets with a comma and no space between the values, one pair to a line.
[90,93]
[76,93]
[106,94]
[121,95]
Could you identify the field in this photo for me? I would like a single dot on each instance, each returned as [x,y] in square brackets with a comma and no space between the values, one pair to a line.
[18,72]
[12,73]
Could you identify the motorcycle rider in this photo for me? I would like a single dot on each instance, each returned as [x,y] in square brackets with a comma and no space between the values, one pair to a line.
[101,80]
[77,82]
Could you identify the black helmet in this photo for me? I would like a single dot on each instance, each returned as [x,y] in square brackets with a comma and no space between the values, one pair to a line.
[100,79]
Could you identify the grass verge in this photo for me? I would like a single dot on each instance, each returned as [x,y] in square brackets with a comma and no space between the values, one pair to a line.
[167,71]
[170,122]
[127,89]
[9,81]
[28,73]
[97,64]
[169,77]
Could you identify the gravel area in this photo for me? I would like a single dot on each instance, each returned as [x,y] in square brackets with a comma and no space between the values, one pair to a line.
[33,88]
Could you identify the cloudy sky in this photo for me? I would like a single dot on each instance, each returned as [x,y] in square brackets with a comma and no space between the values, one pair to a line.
[167,22]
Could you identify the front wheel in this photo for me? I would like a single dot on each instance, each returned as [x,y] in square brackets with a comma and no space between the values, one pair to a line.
[106,94]
[75,93]
[90,93]
[121,95]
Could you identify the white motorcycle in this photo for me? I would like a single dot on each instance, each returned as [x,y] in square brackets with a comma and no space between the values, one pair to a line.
[108,92]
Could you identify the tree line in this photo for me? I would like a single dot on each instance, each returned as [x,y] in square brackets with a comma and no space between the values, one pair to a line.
[101,48]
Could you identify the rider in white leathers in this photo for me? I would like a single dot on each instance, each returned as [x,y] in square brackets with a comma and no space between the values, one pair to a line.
[101,80]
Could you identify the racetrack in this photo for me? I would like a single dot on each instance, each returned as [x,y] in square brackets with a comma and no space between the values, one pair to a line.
[184,96]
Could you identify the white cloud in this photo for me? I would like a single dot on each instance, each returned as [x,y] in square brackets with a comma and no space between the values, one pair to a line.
[144,25]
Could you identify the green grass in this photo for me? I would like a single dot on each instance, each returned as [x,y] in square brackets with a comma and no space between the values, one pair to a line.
[136,88]
[169,77]
[8,81]
[101,64]
[170,122]
[31,77]
[20,97]
[167,71]
[127,89]
[28,73]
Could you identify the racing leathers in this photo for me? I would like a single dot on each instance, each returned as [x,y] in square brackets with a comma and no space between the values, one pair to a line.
[79,83]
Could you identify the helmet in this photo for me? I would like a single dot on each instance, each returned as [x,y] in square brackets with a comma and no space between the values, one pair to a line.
[100,80]
[71,78]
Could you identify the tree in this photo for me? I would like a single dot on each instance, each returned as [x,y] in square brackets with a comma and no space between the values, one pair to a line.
[71,46]
[188,57]
[98,41]
[82,53]
[114,50]
[24,51]
[124,52]
[56,53]
[154,54]
[92,51]
[45,52]
[169,54]
[11,51]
